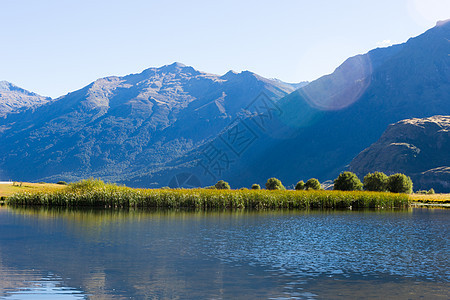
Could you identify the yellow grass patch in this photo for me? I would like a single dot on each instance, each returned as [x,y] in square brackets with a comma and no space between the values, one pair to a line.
[432,198]
[9,189]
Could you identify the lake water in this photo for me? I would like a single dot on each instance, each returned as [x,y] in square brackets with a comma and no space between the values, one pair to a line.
[139,254]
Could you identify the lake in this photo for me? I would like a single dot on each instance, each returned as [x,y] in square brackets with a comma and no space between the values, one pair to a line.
[176,254]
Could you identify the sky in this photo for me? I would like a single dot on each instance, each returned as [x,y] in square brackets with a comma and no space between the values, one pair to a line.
[55,47]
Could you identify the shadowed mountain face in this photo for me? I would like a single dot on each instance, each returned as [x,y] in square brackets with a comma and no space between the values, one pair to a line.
[417,147]
[317,130]
[13,98]
[120,126]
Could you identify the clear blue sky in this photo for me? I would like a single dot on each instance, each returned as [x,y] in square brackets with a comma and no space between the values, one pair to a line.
[54,47]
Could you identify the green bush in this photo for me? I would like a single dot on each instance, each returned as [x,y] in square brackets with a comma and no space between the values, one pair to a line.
[222,185]
[431,191]
[60,182]
[274,184]
[256,186]
[347,181]
[312,184]
[399,183]
[376,182]
[300,185]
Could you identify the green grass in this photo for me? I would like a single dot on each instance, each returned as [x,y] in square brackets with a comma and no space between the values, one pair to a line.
[95,193]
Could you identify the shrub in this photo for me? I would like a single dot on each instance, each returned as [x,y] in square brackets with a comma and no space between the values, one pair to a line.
[87,184]
[312,184]
[431,191]
[399,183]
[59,182]
[376,182]
[300,185]
[347,181]
[274,184]
[256,186]
[222,185]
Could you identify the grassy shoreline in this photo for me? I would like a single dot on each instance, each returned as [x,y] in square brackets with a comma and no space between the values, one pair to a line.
[95,193]
[431,198]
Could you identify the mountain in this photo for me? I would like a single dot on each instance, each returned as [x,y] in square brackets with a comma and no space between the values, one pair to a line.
[118,127]
[13,98]
[296,86]
[317,130]
[417,147]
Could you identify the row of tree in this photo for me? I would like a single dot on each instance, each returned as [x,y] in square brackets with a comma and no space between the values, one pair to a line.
[275,184]
[377,182]
[346,181]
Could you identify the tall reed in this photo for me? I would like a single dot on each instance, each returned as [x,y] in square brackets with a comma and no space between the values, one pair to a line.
[95,193]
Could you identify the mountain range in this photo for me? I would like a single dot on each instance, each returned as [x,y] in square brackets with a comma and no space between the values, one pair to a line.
[178,126]
[119,126]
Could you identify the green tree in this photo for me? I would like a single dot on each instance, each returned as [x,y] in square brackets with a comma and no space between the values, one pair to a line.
[222,185]
[256,186]
[274,184]
[399,183]
[431,191]
[312,184]
[376,182]
[347,181]
[300,185]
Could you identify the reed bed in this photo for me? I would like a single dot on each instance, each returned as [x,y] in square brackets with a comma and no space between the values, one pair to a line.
[95,193]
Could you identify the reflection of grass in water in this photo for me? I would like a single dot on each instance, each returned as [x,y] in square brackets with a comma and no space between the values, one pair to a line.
[95,193]
[96,217]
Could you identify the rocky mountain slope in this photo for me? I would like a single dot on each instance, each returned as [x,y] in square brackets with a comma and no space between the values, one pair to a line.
[120,126]
[417,147]
[317,130]
[13,98]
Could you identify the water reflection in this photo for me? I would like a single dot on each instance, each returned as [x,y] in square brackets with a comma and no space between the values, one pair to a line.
[224,254]
[49,287]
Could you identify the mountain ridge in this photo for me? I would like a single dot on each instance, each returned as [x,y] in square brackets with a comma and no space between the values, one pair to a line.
[418,147]
[14,98]
[126,123]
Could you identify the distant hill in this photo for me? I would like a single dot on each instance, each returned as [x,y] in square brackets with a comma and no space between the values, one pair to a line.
[317,130]
[118,127]
[417,147]
[13,98]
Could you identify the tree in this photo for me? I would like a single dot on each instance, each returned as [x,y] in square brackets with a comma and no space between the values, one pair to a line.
[312,184]
[347,181]
[300,185]
[399,183]
[274,184]
[256,186]
[222,185]
[376,182]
